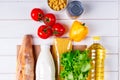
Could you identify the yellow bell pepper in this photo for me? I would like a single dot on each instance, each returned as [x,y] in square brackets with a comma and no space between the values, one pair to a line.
[78,31]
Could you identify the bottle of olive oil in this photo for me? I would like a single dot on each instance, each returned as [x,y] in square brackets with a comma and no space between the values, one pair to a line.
[97,55]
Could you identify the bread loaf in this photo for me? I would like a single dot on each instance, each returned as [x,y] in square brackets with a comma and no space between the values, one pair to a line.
[25,60]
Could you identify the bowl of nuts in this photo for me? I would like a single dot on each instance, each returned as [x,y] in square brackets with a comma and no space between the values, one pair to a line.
[57,5]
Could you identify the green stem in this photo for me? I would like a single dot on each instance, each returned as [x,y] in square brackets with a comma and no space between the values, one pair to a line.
[83,24]
[55,32]
[47,20]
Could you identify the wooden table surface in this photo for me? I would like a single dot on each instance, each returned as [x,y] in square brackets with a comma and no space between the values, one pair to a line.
[101,16]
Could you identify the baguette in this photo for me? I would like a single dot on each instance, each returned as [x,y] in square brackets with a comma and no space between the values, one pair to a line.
[25,60]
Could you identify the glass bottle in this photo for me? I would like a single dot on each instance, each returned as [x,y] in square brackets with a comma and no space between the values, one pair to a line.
[97,54]
[45,67]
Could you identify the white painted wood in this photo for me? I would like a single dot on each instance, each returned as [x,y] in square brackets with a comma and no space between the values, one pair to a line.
[110,43]
[97,27]
[101,16]
[111,76]
[108,76]
[119,65]
[93,10]
[8,46]
[44,0]
[8,63]
[18,28]
[7,76]
[119,33]
[111,63]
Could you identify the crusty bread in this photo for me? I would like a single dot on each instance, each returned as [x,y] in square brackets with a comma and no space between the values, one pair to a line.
[25,60]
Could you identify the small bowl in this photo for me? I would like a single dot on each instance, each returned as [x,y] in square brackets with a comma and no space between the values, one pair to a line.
[57,8]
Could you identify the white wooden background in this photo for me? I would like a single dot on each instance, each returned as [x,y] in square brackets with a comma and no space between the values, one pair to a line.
[101,16]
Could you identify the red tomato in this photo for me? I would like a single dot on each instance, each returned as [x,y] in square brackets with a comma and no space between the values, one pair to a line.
[49,19]
[37,14]
[58,29]
[44,32]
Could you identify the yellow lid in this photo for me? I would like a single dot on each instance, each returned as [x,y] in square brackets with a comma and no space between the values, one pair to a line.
[96,38]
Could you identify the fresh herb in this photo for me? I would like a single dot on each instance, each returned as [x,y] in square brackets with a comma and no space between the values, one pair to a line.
[76,65]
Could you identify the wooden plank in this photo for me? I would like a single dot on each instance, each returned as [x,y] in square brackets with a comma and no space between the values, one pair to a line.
[111,76]
[110,43]
[8,46]
[44,0]
[100,0]
[97,27]
[119,39]
[18,28]
[108,76]
[93,10]
[111,63]
[7,76]
[8,64]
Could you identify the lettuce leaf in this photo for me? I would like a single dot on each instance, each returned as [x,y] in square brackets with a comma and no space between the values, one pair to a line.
[76,65]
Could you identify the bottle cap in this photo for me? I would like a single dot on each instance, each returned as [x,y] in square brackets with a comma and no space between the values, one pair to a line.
[96,38]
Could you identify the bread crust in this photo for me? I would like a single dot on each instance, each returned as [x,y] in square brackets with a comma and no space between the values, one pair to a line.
[25,60]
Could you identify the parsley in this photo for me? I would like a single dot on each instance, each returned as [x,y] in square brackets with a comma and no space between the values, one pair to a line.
[76,65]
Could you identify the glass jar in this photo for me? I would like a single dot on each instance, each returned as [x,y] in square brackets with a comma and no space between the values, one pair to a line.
[75,9]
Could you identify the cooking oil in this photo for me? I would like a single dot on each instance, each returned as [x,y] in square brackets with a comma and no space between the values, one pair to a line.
[97,55]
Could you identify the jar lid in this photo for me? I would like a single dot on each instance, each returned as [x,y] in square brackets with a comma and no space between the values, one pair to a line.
[75,8]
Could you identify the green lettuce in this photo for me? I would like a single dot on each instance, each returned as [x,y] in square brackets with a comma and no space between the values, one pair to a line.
[76,65]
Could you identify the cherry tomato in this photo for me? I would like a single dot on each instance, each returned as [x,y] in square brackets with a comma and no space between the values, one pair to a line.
[49,19]
[37,14]
[44,32]
[58,29]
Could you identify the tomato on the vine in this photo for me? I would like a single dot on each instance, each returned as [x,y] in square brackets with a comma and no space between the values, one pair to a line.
[37,14]
[44,31]
[49,19]
[58,29]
